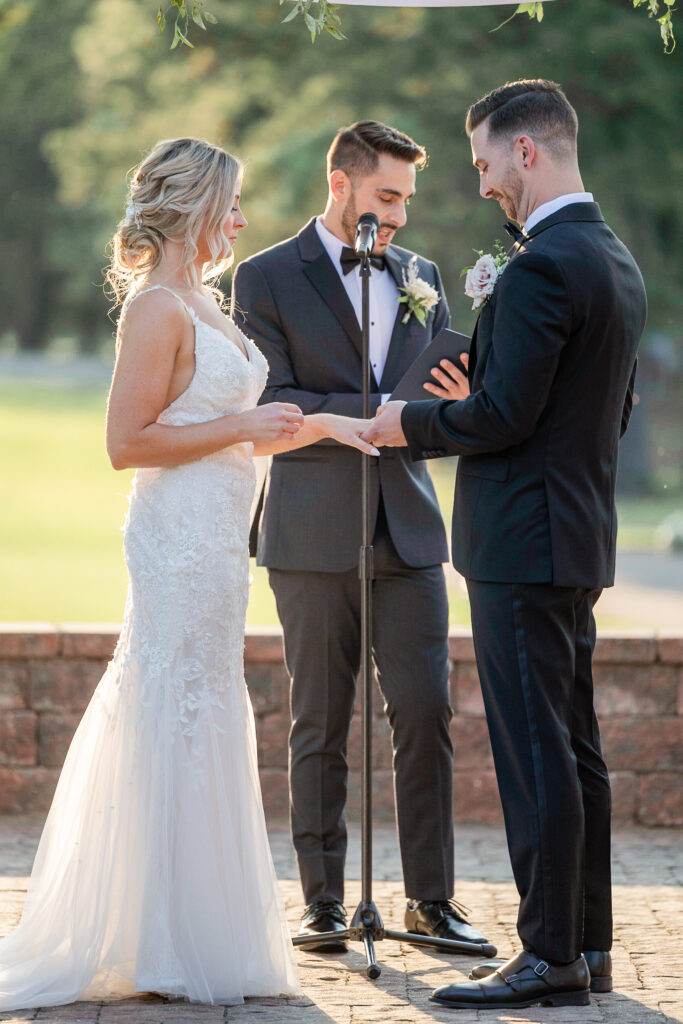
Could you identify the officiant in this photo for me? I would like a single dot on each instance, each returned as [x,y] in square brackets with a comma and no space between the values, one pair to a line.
[300,301]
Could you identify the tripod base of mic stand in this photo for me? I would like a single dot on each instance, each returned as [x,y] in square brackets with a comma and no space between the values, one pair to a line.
[366,927]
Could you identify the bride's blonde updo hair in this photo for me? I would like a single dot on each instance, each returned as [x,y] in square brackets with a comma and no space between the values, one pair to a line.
[182,188]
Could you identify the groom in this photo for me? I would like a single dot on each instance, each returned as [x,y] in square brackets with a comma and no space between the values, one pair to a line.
[552,370]
[300,302]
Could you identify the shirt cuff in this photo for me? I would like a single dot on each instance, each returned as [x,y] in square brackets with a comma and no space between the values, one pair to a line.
[384,398]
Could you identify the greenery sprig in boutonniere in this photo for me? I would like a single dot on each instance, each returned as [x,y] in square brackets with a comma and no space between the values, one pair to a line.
[419,295]
[482,277]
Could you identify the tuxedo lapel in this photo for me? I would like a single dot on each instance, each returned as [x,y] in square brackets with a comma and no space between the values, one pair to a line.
[405,346]
[483,331]
[396,263]
[325,279]
[472,363]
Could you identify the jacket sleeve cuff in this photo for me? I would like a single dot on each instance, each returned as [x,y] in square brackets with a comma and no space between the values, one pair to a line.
[417,419]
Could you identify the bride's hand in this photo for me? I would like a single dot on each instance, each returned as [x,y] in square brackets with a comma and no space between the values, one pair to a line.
[348,431]
[276,421]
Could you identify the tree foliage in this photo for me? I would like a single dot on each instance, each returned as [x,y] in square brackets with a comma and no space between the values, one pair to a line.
[324,16]
[84,100]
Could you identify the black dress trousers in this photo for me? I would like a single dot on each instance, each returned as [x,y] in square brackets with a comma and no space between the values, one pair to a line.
[534,645]
[320,616]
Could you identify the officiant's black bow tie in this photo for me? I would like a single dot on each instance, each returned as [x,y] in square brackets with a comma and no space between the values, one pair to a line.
[516,232]
[349,259]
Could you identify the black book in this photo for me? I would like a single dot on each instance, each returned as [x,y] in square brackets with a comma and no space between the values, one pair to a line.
[448,344]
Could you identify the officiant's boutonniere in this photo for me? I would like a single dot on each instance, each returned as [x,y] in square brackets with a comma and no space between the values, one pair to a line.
[482,277]
[420,296]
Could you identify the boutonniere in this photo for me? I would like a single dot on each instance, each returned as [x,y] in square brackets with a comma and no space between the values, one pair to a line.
[419,295]
[482,277]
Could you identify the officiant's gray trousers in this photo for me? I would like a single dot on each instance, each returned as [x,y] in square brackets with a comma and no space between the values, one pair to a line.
[320,615]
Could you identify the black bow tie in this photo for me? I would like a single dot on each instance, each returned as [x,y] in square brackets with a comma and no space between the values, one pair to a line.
[516,232]
[349,259]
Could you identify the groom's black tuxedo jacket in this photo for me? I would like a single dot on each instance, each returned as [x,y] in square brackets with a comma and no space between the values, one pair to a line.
[552,370]
[291,301]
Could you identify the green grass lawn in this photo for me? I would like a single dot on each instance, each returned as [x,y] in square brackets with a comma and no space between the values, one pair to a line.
[63,505]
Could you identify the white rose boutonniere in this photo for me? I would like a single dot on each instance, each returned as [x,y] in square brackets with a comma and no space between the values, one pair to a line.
[482,277]
[420,297]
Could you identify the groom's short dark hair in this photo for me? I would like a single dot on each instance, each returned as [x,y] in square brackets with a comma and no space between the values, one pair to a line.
[356,149]
[536,105]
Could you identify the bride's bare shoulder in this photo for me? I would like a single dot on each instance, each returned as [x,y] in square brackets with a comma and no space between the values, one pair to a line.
[152,316]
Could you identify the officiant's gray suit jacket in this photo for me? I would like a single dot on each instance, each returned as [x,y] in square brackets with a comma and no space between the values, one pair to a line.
[291,301]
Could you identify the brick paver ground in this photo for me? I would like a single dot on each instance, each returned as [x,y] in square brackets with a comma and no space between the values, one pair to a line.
[648,967]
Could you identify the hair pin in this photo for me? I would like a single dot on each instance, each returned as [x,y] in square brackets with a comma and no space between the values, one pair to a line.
[133,213]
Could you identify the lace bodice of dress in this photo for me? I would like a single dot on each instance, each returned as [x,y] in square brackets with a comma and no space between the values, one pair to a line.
[224,381]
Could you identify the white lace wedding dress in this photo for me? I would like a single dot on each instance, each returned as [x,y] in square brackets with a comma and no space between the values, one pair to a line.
[154,871]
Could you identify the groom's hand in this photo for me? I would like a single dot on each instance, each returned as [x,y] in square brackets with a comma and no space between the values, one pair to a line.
[386,428]
[453,384]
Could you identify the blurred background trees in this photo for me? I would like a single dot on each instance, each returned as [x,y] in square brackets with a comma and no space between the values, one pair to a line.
[88,86]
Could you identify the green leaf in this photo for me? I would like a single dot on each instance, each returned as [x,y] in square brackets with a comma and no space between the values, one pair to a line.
[667,33]
[534,10]
[197,18]
[292,14]
[211,18]
[180,37]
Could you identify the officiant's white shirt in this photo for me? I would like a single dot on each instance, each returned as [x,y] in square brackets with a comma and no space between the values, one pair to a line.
[384,296]
[546,209]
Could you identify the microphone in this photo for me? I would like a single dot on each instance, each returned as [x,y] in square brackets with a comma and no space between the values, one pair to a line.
[366,234]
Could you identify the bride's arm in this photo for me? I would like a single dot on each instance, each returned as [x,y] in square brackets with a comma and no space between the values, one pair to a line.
[316,427]
[153,339]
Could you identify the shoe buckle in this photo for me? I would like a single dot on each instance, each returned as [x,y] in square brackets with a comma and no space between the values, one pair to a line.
[541,968]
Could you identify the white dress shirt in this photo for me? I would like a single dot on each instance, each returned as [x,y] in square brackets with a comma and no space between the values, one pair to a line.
[545,210]
[384,296]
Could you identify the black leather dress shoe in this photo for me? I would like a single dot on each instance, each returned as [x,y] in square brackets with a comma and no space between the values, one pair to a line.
[526,980]
[599,964]
[324,916]
[442,919]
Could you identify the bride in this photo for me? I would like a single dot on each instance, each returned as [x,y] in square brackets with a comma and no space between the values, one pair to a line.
[153,871]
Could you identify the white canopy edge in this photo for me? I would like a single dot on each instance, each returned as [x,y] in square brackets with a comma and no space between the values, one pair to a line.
[427,3]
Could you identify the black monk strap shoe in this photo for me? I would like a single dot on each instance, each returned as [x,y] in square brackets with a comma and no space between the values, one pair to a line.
[442,919]
[599,964]
[526,980]
[324,916]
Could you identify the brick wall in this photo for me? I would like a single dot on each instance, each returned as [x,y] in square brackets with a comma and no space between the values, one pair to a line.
[47,676]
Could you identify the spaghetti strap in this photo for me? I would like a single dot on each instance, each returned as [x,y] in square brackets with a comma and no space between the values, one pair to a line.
[162,287]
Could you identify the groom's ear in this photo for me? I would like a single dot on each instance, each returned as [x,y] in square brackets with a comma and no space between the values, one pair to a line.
[340,185]
[526,149]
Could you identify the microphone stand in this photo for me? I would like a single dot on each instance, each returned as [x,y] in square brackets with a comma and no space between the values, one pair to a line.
[366,924]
